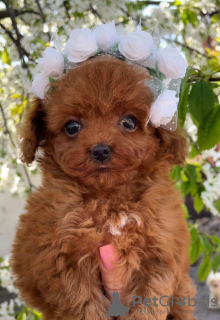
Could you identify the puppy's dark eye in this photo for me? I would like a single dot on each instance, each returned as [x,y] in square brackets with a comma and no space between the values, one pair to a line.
[129,122]
[72,127]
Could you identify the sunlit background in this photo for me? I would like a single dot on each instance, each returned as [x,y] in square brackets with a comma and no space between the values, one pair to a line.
[193,26]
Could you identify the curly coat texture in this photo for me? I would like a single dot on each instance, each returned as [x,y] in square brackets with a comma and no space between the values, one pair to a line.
[79,208]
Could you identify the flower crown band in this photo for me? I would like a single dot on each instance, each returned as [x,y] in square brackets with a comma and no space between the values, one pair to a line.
[164,63]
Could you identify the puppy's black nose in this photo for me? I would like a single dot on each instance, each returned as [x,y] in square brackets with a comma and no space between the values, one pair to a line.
[101,152]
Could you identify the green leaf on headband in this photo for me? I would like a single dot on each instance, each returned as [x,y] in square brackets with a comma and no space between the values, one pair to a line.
[210,135]
[115,48]
[201,102]
[52,80]
[184,92]
[156,73]
[51,89]
[98,52]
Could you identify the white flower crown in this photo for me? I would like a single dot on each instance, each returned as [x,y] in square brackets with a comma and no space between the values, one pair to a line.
[165,64]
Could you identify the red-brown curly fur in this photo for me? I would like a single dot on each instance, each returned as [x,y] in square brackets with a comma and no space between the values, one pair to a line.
[55,256]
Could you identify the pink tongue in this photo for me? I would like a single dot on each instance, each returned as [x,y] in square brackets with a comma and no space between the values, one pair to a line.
[108,256]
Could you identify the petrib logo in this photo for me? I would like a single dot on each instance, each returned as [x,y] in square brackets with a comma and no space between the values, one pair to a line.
[116,308]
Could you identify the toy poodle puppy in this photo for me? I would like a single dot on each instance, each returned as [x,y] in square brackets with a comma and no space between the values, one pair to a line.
[213,281]
[105,180]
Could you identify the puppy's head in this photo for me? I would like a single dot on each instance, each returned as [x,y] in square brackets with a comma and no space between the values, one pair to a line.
[93,125]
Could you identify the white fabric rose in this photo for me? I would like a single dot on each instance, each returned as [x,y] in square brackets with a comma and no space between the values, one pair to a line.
[81,45]
[136,46]
[163,108]
[39,85]
[171,63]
[52,63]
[106,35]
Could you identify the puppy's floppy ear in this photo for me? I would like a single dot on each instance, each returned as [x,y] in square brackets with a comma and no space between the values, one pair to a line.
[32,131]
[210,282]
[173,146]
[210,279]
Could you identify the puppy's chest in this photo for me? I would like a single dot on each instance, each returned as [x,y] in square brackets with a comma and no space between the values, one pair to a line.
[89,223]
[108,220]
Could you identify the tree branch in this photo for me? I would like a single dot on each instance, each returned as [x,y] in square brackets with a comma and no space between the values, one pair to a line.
[177,42]
[12,16]
[40,10]
[156,3]
[6,126]
[7,131]
[5,14]
[31,186]
[207,160]
[129,17]
[9,34]
[125,12]
[214,79]
[21,51]
[183,45]
[65,4]
[42,16]
[95,12]
[209,14]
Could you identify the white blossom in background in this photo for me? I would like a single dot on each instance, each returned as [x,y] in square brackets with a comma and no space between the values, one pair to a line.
[212,188]
[7,280]
[190,128]
[207,5]
[215,155]
[7,309]
[212,180]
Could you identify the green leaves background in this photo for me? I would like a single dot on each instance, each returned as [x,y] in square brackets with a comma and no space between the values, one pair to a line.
[198,98]
[207,247]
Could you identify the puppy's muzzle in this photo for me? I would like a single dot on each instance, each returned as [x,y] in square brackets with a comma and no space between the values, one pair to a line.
[101,152]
